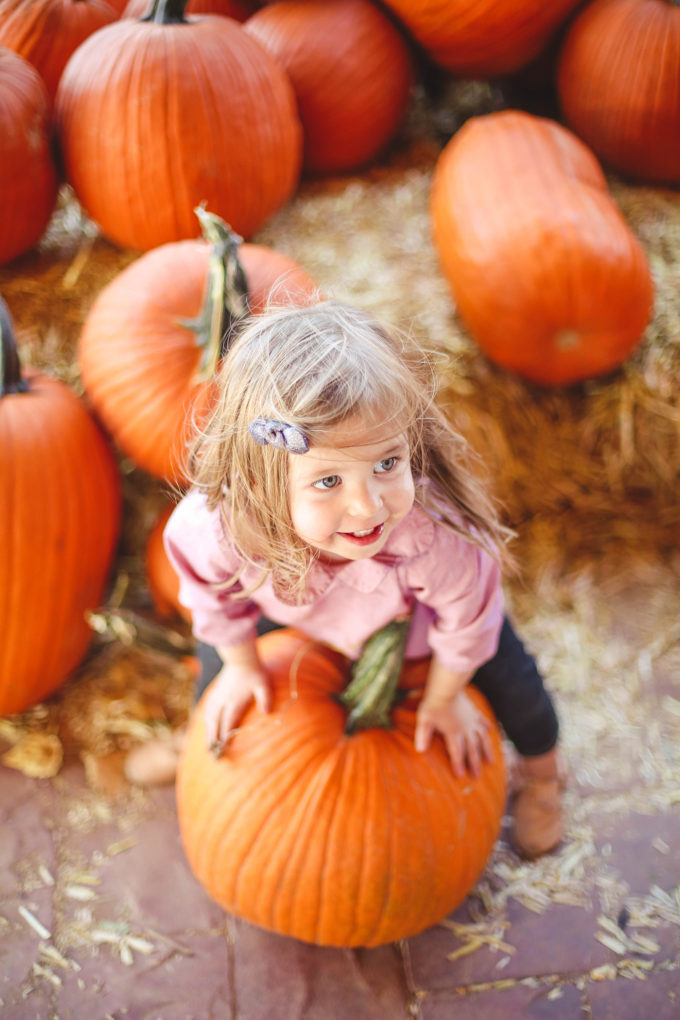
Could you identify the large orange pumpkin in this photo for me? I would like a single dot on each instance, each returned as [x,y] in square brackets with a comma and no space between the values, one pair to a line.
[619,85]
[28,177]
[146,368]
[239,10]
[351,71]
[546,274]
[157,116]
[335,838]
[59,521]
[480,38]
[47,32]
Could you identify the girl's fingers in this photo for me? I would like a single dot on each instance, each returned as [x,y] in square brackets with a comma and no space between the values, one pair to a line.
[423,736]
[262,696]
[473,756]
[456,756]
[486,745]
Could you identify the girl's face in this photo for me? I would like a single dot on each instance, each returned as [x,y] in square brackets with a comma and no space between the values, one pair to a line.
[345,499]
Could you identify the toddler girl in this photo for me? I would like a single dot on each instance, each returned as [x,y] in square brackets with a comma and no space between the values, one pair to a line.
[331,494]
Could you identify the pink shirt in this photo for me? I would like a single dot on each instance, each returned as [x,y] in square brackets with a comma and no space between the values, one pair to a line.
[452,585]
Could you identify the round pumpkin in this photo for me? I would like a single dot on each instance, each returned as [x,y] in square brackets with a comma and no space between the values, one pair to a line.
[619,85]
[335,839]
[546,274]
[61,506]
[47,32]
[482,38]
[351,71]
[239,10]
[28,177]
[157,116]
[146,368]
[161,575]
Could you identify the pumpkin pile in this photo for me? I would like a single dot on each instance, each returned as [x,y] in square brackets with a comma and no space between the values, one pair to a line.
[165,117]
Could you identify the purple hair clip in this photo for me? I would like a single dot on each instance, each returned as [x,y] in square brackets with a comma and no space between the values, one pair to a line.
[276,433]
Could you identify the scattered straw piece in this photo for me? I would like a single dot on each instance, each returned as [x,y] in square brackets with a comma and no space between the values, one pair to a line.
[34,923]
[37,755]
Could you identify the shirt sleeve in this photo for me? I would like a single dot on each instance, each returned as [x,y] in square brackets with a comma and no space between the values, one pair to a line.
[460,583]
[205,561]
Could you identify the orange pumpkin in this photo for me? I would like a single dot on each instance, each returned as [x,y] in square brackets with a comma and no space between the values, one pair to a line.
[481,38]
[47,32]
[146,369]
[61,507]
[157,116]
[351,71]
[161,575]
[28,177]
[546,274]
[619,85]
[334,838]
[239,10]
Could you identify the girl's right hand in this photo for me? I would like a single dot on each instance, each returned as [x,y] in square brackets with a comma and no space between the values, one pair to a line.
[228,697]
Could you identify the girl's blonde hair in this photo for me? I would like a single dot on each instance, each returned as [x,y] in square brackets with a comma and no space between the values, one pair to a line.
[314,367]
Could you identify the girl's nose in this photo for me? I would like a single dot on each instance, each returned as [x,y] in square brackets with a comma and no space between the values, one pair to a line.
[364,501]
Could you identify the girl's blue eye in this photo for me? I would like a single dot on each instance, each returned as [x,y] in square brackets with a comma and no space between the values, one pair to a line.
[388,464]
[329,482]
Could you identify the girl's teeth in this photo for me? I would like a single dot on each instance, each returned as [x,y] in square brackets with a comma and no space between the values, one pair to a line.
[361,534]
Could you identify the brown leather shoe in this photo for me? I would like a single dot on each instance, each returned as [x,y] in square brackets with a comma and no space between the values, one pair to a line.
[155,762]
[537,817]
[536,805]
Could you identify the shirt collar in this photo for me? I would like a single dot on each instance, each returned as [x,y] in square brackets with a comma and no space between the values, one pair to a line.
[411,537]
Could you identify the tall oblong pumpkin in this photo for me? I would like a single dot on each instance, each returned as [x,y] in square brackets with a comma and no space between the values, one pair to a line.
[327,826]
[351,71]
[28,177]
[59,522]
[618,84]
[156,116]
[147,352]
[547,276]
[482,38]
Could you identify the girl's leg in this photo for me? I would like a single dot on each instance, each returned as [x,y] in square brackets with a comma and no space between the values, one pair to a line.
[514,688]
[154,763]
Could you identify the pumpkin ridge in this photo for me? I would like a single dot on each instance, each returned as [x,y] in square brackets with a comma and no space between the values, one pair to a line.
[325,798]
[245,788]
[291,834]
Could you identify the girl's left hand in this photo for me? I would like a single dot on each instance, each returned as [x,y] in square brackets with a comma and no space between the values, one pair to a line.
[463,727]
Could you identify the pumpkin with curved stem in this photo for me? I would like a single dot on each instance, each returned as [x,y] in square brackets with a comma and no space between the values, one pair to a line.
[59,518]
[28,177]
[335,838]
[546,274]
[156,116]
[482,38]
[619,85]
[153,337]
[351,71]
[47,32]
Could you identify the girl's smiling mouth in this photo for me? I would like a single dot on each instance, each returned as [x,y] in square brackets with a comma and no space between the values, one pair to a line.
[363,537]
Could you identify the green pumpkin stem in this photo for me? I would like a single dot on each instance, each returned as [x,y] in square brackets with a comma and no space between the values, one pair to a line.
[166,12]
[369,696]
[226,300]
[11,380]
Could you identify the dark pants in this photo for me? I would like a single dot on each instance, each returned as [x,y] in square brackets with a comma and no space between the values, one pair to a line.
[509,681]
